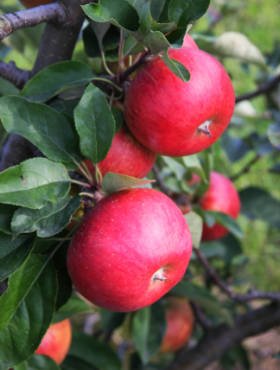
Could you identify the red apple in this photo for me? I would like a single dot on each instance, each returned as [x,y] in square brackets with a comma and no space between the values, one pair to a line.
[56,342]
[131,249]
[188,42]
[126,156]
[179,324]
[221,196]
[176,118]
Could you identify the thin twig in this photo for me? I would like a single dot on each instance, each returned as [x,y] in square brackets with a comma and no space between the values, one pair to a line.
[241,298]
[54,12]
[264,88]
[200,317]
[10,72]
[246,168]
[142,60]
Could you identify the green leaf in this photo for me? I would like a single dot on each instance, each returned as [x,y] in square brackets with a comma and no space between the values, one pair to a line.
[47,129]
[195,223]
[228,222]
[7,88]
[47,221]
[119,12]
[113,182]
[259,204]
[73,306]
[6,214]
[34,183]
[156,42]
[95,124]
[148,328]
[176,67]
[184,11]
[273,134]
[225,249]
[74,363]
[56,78]
[13,252]
[20,338]
[94,353]
[38,362]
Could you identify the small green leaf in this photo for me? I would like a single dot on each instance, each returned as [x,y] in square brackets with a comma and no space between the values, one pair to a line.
[34,183]
[184,11]
[119,12]
[95,124]
[56,78]
[22,335]
[7,88]
[47,129]
[13,252]
[156,42]
[176,67]
[6,214]
[73,306]
[113,182]
[93,352]
[37,362]
[195,223]
[46,221]
[228,222]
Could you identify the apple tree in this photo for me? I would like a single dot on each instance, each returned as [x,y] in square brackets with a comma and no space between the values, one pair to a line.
[139,164]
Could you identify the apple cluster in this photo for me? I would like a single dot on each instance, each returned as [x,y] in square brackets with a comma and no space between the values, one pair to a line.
[135,245]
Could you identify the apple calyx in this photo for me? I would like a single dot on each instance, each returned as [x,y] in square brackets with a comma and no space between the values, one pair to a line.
[159,275]
[205,128]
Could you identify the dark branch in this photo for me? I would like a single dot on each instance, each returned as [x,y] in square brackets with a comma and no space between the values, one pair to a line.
[10,72]
[54,12]
[160,182]
[241,298]
[223,337]
[265,88]
[246,168]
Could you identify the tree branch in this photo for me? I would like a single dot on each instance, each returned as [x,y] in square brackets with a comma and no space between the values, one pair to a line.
[54,12]
[223,337]
[241,298]
[265,88]
[10,72]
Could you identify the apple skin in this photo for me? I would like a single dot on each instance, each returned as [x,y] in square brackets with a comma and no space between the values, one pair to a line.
[221,196]
[165,113]
[126,156]
[131,249]
[56,341]
[179,324]
[33,3]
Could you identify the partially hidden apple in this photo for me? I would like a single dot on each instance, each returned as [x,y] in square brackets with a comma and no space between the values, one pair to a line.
[56,341]
[175,117]
[33,3]
[179,324]
[126,156]
[130,250]
[221,196]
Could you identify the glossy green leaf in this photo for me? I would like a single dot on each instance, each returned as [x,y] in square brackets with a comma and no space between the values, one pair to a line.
[95,124]
[156,42]
[6,214]
[34,183]
[259,204]
[148,327]
[38,362]
[119,12]
[13,252]
[7,88]
[94,353]
[22,335]
[56,78]
[47,221]
[184,11]
[113,182]
[176,67]
[47,129]
[195,224]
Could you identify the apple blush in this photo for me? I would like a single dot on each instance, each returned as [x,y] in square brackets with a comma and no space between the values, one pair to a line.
[221,196]
[131,249]
[175,117]
[56,341]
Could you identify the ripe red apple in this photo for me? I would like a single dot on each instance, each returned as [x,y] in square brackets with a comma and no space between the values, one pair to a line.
[32,3]
[221,196]
[176,118]
[179,324]
[131,249]
[126,156]
[56,341]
